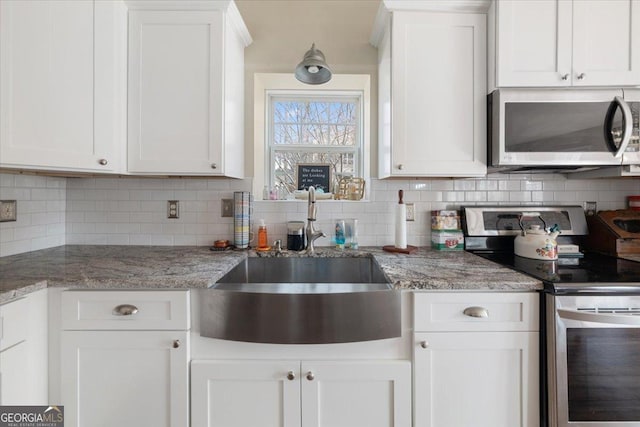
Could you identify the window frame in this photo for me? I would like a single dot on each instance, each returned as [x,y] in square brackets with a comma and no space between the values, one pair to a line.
[267,85]
[311,96]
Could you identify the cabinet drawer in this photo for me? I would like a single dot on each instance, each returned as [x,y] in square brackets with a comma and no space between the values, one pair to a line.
[125,310]
[501,311]
[13,322]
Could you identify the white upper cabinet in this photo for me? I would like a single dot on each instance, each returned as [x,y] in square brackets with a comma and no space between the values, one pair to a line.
[432,113]
[61,74]
[186,90]
[546,43]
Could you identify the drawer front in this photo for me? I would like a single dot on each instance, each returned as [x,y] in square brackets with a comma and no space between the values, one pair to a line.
[14,325]
[458,311]
[125,310]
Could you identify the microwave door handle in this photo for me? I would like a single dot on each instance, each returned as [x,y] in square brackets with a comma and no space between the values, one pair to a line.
[585,316]
[628,126]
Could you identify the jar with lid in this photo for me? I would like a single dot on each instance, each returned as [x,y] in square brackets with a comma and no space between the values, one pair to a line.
[295,235]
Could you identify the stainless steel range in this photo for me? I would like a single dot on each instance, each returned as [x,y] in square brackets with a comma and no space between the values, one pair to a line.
[590,319]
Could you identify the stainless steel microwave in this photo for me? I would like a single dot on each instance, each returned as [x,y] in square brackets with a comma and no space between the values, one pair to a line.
[563,130]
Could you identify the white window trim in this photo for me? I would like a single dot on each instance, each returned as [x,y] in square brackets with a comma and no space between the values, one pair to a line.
[266,83]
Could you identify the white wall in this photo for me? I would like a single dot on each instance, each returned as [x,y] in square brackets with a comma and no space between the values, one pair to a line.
[41,206]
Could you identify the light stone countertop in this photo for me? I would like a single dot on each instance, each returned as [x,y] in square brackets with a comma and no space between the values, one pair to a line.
[155,267]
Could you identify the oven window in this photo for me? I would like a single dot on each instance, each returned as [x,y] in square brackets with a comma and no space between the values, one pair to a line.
[603,366]
[557,127]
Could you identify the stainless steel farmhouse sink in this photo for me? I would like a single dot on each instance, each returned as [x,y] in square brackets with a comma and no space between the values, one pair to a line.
[302,300]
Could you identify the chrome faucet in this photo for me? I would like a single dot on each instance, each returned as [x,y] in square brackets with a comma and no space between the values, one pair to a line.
[311,233]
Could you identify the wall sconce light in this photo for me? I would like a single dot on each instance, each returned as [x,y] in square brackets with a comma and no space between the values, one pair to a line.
[313,69]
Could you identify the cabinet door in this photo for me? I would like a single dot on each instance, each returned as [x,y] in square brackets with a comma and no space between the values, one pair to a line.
[439,96]
[362,393]
[247,393]
[481,379]
[606,42]
[14,371]
[533,43]
[129,379]
[175,92]
[24,351]
[47,100]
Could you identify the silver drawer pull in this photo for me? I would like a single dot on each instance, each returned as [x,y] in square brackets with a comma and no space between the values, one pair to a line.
[176,343]
[125,310]
[476,312]
[424,344]
[291,375]
[310,376]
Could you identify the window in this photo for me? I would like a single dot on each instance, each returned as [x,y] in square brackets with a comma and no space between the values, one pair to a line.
[297,124]
[313,129]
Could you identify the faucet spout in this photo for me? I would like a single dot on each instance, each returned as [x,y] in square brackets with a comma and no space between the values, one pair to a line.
[311,233]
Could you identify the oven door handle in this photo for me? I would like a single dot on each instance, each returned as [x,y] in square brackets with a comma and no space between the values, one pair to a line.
[586,316]
[628,126]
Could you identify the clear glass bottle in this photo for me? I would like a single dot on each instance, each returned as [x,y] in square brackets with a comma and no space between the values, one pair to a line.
[354,234]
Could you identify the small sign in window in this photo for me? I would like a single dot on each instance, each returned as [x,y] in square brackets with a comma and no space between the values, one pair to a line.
[317,175]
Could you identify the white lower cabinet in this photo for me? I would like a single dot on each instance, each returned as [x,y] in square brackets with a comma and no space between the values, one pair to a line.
[23,351]
[123,378]
[476,371]
[114,375]
[480,379]
[294,393]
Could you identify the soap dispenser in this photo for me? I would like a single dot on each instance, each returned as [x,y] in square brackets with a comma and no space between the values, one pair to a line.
[262,236]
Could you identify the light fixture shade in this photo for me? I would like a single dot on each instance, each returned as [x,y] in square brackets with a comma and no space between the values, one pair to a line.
[313,69]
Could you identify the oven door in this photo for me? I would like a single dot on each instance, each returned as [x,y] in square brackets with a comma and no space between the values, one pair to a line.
[596,361]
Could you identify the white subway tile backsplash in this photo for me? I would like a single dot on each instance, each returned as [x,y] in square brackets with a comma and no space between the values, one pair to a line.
[464,185]
[553,185]
[41,208]
[498,196]
[132,211]
[487,185]
[508,185]
[442,185]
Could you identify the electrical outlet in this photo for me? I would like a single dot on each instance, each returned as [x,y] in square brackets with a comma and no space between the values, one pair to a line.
[173,209]
[411,212]
[8,210]
[227,208]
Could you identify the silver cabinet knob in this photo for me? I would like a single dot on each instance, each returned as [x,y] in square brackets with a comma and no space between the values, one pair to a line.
[424,344]
[400,166]
[565,77]
[176,343]
[291,376]
[125,310]
[581,76]
[214,166]
[476,312]
[310,376]
[103,162]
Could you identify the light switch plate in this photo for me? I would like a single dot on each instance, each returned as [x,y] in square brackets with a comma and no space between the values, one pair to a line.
[411,212]
[8,210]
[227,208]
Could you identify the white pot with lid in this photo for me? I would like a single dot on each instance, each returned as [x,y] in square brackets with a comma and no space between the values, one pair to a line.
[535,242]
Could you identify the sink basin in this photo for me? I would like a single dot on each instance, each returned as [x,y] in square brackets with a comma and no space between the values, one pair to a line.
[304,275]
[302,300]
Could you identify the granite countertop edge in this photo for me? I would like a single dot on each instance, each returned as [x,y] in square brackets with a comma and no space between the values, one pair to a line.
[172,267]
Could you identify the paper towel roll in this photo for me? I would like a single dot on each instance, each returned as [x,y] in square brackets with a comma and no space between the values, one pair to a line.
[401,226]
